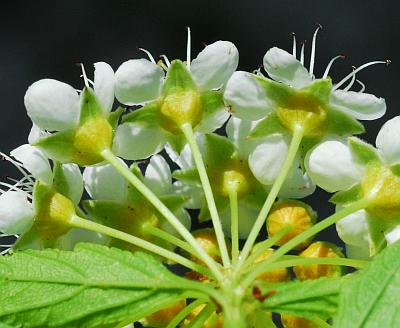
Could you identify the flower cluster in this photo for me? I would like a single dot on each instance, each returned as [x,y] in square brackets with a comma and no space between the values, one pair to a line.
[239,147]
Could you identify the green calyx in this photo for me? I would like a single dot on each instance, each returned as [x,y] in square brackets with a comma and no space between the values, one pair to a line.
[181,102]
[53,212]
[82,145]
[382,187]
[305,108]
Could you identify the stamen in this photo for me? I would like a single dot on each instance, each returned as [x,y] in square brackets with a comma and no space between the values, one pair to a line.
[188,48]
[15,188]
[328,68]
[302,52]
[8,246]
[351,82]
[314,41]
[362,86]
[167,62]
[387,62]
[19,167]
[5,251]
[85,79]
[148,54]
[160,63]
[258,72]
[294,51]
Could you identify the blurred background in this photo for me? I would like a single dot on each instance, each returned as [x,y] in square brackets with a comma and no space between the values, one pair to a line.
[45,39]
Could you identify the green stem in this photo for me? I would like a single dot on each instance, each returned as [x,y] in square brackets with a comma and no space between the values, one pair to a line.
[202,317]
[161,234]
[276,187]
[191,139]
[160,206]
[233,201]
[316,228]
[82,223]
[265,245]
[321,323]
[267,266]
[184,313]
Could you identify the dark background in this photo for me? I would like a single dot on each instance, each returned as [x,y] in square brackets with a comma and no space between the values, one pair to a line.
[44,39]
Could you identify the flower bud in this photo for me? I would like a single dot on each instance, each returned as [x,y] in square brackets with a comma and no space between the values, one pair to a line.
[317,250]
[295,215]
[208,241]
[290,321]
[214,321]
[161,318]
[276,275]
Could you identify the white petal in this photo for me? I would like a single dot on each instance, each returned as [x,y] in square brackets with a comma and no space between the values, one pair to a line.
[362,106]
[388,140]
[297,185]
[393,234]
[104,85]
[267,158]
[215,64]
[105,183]
[74,180]
[283,67]
[331,166]
[247,216]
[75,236]
[238,131]
[16,213]
[138,81]
[158,175]
[195,194]
[36,133]
[354,229]
[245,97]
[133,141]
[52,105]
[210,123]
[34,161]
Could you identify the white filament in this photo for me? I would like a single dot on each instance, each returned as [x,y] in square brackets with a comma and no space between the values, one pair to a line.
[302,53]
[188,48]
[338,85]
[328,68]
[362,86]
[19,167]
[148,54]
[294,52]
[313,45]
[353,79]
[167,62]
[85,79]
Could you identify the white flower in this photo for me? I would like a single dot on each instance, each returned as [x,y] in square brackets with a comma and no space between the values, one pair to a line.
[145,131]
[123,207]
[55,106]
[357,170]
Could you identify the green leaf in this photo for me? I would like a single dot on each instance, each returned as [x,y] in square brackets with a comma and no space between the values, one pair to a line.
[90,106]
[363,152]
[267,126]
[307,299]
[3,325]
[178,79]
[92,286]
[59,146]
[371,298]
[342,124]
[347,196]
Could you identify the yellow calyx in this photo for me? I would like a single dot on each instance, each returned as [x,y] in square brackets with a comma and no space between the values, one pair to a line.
[302,110]
[91,139]
[382,187]
[54,215]
[294,215]
[163,317]
[317,250]
[179,108]
[277,275]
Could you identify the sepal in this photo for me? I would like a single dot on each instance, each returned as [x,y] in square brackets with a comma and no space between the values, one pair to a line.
[363,152]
